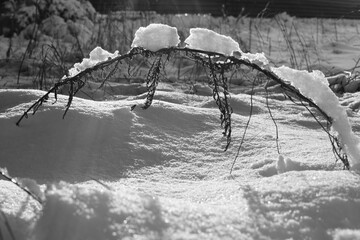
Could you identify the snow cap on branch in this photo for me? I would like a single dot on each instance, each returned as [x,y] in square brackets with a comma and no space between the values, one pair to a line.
[257,58]
[155,37]
[208,40]
[96,55]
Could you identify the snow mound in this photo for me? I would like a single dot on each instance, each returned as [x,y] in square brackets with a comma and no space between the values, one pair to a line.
[324,204]
[285,165]
[315,86]
[73,212]
[96,55]
[155,37]
[103,139]
[208,40]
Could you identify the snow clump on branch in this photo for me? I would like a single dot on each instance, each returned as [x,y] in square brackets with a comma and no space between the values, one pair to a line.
[208,40]
[155,37]
[97,55]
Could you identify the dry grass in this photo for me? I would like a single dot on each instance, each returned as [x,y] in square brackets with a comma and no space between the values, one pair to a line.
[284,39]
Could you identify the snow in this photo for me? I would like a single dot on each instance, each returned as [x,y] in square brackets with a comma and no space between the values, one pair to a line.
[258,58]
[155,37]
[347,234]
[165,173]
[97,55]
[158,36]
[106,172]
[208,40]
[315,86]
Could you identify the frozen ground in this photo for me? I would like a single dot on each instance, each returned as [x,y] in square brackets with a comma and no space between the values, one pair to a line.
[166,174]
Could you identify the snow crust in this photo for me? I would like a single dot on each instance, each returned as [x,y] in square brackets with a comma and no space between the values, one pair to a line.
[155,37]
[315,86]
[97,55]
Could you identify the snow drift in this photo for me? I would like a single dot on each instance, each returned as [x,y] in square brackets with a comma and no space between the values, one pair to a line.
[166,175]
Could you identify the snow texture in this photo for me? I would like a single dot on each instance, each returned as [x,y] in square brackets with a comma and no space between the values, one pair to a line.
[73,212]
[166,174]
[208,40]
[97,55]
[155,37]
[315,86]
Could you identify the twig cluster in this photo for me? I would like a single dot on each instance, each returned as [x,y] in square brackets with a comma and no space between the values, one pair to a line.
[152,81]
[217,64]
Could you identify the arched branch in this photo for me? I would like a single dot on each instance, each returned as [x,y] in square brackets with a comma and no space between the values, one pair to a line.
[217,63]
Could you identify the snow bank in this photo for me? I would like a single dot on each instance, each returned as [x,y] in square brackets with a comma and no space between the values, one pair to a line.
[155,37]
[96,55]
[207,40]
[315,86]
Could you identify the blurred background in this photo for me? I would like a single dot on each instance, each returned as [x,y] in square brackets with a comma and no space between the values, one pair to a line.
[251,8]
[41,39]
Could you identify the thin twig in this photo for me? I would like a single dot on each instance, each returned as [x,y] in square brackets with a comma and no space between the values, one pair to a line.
[111,73]
[246,128]
[272,118]
[102,184]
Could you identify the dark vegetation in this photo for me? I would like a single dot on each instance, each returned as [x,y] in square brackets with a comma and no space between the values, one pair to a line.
[251,8]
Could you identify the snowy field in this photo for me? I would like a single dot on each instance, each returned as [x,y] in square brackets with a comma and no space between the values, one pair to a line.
[106,172]
[166,174]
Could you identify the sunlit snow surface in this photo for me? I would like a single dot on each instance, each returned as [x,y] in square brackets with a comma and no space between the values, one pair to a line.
[166,174]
